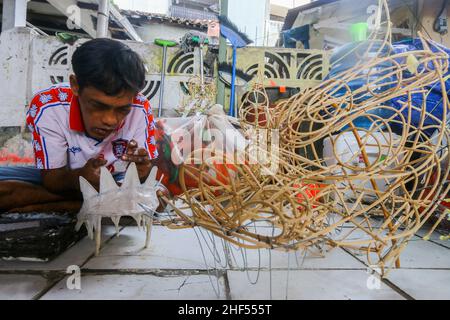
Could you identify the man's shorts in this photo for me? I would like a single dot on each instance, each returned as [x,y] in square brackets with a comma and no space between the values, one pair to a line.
[24,174]
[31,175]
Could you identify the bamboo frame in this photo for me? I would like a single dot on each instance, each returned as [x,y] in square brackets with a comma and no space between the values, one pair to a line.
[413,167]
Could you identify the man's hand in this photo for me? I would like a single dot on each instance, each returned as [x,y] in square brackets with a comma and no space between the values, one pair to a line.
[139,156]
[91,171]
[65,181]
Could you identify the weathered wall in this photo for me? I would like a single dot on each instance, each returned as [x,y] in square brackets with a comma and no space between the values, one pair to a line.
[32,62]
[428,11]
[14,84]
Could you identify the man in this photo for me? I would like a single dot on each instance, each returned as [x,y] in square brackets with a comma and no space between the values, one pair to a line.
[98,120]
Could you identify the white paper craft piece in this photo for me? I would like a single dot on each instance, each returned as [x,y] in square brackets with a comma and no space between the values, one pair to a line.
[115,202]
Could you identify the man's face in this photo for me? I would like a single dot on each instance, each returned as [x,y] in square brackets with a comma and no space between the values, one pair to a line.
[102,114]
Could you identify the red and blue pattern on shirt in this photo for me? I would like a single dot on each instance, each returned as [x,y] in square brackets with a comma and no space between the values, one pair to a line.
[60,96]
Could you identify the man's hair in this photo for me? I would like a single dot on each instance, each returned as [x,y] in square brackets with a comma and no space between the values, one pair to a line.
[109,66]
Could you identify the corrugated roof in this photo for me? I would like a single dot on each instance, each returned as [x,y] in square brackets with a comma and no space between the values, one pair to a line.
[134,14]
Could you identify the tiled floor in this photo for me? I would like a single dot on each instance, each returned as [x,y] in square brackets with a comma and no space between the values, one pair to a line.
[170,250]
[140,287]
[21,287]
[306,285]
[191,265]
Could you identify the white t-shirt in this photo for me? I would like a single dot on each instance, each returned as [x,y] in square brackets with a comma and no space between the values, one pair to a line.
[60,140]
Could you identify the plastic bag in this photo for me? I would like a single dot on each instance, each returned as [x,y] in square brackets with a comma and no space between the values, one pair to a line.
[182,140]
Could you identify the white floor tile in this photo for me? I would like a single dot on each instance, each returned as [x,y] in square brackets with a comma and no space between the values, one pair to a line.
[333,259]
[169,249]
[423,284]
[139,287]
[308,285]
[418,253]
[425,254]
[20,287]
[435,236]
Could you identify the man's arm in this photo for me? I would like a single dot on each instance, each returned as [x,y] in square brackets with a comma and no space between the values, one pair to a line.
[64,180]
[142,148]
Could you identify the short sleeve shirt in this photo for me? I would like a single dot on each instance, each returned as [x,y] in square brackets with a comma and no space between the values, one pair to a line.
[59,138]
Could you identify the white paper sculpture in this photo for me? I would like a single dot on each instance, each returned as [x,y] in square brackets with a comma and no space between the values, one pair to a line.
[115,202]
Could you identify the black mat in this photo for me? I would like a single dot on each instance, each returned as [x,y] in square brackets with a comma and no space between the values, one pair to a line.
[37,236]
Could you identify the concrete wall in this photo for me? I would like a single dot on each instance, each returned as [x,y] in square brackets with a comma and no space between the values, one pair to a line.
[14,75]
[428,11]
[30,63]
